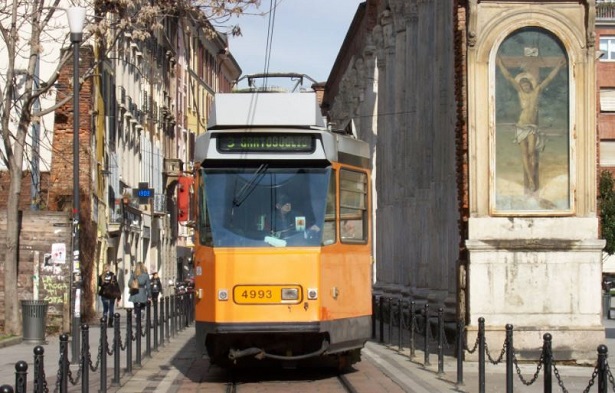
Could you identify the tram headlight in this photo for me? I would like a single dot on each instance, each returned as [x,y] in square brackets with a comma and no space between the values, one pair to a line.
[312,293]
[223,294]
[290,294]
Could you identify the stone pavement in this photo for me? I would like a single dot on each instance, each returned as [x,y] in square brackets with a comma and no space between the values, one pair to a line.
[163,371]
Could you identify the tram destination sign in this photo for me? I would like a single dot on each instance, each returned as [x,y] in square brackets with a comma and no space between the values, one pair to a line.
[258,143]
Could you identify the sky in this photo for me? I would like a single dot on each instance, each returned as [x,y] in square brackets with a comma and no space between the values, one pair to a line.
[307,36]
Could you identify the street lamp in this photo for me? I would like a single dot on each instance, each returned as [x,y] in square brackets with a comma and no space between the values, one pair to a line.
[76,20]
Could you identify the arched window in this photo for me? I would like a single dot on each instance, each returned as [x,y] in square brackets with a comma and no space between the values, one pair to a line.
[532,132]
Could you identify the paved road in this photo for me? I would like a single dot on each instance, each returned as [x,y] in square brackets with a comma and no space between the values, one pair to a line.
[175,364]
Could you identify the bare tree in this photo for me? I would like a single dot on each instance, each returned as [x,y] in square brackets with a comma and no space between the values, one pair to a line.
[28,28]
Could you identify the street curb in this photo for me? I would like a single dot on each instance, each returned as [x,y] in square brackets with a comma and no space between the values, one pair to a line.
[10,341]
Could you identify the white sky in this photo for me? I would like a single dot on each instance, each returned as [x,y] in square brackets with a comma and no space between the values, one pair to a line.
[307,36]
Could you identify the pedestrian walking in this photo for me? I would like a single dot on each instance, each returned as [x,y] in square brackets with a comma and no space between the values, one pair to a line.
[140,288]
[156,285]
[109,292]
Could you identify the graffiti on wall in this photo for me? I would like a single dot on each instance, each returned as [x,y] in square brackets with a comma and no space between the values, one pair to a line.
[55,285]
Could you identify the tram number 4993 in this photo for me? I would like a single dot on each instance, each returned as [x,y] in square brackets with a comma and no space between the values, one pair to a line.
[254,294]
[258,294]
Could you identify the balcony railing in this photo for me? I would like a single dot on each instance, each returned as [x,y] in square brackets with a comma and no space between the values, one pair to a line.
[160,205]
[158,202]
[605,10]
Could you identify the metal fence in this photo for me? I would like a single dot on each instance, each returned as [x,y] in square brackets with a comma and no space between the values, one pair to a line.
[407,321]
[163,320]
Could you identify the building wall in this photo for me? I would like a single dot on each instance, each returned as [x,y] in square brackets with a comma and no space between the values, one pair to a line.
[42,275]
[389,76]
[605,79]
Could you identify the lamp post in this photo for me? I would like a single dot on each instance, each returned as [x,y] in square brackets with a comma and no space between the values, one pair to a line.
[76,20]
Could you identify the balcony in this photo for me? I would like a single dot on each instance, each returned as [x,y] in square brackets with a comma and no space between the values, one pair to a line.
[160,203]
[605,11]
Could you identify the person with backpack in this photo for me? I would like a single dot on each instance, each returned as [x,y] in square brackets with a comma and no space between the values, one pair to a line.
[109,292]
[141,293]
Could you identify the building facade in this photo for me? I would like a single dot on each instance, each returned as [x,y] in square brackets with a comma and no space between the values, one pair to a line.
[140,114]
[605,98]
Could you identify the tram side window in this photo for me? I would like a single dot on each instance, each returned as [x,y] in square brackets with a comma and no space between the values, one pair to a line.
[353,206]
[204,226]
[329,230]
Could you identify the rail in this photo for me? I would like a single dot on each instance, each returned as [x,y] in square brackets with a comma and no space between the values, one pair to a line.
[396,318]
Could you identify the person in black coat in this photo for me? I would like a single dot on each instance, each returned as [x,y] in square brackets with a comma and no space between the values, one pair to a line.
[156,286]
[109,292]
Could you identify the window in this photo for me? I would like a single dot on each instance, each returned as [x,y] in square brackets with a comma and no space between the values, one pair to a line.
[204,226]
[607,100]
[329,229]
[265,206]
[607,46]
[353,206]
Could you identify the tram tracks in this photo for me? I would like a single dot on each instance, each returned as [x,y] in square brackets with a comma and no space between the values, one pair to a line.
[344,384]
[231,387]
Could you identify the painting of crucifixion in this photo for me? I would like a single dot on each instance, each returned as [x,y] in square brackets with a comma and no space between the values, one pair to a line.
[532,136]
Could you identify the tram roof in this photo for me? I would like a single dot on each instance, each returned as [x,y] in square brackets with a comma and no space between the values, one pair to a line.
[256,109]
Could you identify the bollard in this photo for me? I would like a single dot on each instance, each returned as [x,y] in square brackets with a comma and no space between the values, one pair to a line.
[63,363]
[6,389]
[373,317]
[481,355]
[162,321]
[138,312]
[390,308]
[103,354]
[426,342]
[155,327]
[167,310]
[85,357]
[603,369]
[117,347]
[440,341]
[460,335]
[400,330]
[180,313]
[129,340]
[148,326]
[381,313]
[186,310]
[412,329]
[39,369]
[174,314]
[509,358]
[171,315]
[548,366]
[21,376]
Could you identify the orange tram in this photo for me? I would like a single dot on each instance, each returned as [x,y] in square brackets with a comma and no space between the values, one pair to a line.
[283,253]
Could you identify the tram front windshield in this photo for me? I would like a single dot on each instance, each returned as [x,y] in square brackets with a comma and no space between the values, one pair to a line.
[265,206]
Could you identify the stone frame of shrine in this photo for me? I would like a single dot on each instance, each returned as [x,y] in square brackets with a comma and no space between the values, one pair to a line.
[536,264]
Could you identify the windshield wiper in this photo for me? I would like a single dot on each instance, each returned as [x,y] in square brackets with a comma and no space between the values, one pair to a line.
[247,188]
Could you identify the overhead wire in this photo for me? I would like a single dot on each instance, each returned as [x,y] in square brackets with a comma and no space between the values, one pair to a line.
[268,46]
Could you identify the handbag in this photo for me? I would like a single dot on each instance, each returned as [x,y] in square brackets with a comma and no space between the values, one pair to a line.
[134,286]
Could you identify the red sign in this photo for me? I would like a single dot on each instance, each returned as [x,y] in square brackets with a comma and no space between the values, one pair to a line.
[183,198]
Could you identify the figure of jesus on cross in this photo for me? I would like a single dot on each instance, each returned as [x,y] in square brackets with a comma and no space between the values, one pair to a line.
[529,90]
